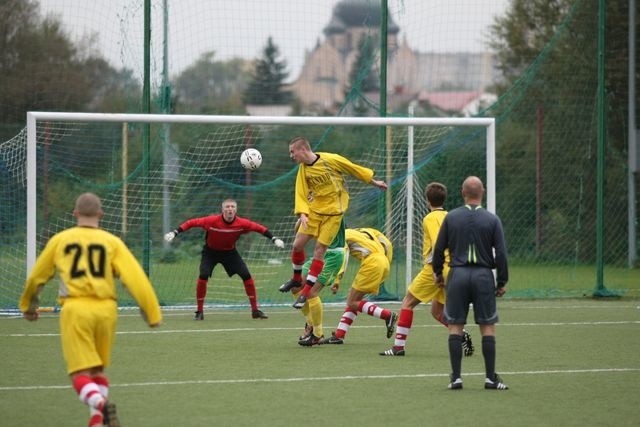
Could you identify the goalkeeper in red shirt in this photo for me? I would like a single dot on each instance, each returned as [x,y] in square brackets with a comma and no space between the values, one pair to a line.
[222,232]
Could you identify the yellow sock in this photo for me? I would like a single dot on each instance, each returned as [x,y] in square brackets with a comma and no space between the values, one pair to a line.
[315,315]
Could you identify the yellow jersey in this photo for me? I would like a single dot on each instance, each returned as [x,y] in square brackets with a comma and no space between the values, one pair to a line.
[321,187]
[362,242]
[88,260]
[431,224]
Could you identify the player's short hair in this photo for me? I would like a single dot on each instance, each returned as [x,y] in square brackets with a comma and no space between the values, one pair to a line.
[301,141]
[436,194]
[88,204]
[472,187]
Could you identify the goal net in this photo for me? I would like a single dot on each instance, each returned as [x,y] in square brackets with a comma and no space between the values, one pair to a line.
[155,171]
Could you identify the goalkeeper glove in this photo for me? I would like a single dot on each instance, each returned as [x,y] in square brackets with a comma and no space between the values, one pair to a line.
[170,235]
[279,243]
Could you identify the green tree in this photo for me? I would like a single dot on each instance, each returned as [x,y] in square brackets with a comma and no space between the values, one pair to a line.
[209,86]
[547,51]
[267,80]
[362,76]
[42,69]
[521,34]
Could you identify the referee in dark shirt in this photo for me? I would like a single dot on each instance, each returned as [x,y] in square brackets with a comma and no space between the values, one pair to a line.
[476,245]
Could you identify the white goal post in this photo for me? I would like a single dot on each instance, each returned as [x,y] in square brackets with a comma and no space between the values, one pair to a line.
[34,117]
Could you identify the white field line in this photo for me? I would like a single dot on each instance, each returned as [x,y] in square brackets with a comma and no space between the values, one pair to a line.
[224,330]
[340,378]
[231,309]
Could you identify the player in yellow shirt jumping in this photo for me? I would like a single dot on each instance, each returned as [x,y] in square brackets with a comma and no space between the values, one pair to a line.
[321,199]
[88,259]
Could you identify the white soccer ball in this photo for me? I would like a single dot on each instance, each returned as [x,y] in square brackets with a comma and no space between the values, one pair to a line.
[251,158]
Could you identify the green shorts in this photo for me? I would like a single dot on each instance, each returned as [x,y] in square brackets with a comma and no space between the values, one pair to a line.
[333,260]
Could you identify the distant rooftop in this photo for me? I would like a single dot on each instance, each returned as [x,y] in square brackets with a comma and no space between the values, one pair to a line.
[449,101]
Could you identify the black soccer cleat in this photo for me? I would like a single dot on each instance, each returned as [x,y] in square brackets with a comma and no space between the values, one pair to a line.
[199,315]
[109,415]
[495,383]
[393,351]
[308,330]
[311,340]
[391,323]
[258,314]
[290,284]
[467,344]
[300,302]
[333,339]
[455,384]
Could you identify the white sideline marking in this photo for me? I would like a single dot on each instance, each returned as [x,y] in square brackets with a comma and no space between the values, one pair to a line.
[341,378]
[435,325]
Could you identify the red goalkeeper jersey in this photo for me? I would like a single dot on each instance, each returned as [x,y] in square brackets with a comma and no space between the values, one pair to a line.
[222,235]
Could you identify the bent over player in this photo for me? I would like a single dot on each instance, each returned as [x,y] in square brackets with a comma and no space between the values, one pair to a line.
[222,232]
[375,253]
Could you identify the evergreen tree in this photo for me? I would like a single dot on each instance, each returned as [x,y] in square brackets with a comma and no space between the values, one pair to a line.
[362,78]
[267,80]
[362,75]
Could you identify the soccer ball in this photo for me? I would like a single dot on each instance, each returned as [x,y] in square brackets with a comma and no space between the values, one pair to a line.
[251,158]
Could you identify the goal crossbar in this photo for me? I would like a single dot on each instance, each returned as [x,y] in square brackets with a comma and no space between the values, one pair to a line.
[33,117]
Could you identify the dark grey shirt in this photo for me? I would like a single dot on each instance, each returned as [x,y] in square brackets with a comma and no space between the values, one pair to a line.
[471,234]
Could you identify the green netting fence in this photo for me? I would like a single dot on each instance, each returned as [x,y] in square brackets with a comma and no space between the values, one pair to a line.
[546,137]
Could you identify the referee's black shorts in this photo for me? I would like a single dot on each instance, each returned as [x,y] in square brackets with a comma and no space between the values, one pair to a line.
[471,285]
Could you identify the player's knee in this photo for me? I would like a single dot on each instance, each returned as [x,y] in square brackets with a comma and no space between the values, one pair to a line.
[353,304]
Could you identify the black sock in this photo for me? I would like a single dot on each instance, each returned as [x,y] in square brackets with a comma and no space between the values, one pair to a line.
[455,355]
[489,354]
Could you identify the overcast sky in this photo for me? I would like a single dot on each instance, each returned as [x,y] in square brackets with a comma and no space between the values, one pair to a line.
[239,28]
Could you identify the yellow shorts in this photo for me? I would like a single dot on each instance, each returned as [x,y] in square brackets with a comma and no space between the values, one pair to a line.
[323,228]
[374,269]
[87,329]
[423,286]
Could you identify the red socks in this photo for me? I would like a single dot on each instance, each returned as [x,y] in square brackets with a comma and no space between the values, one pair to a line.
[201,292]
[250,290]
[312,276]
[297,259]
